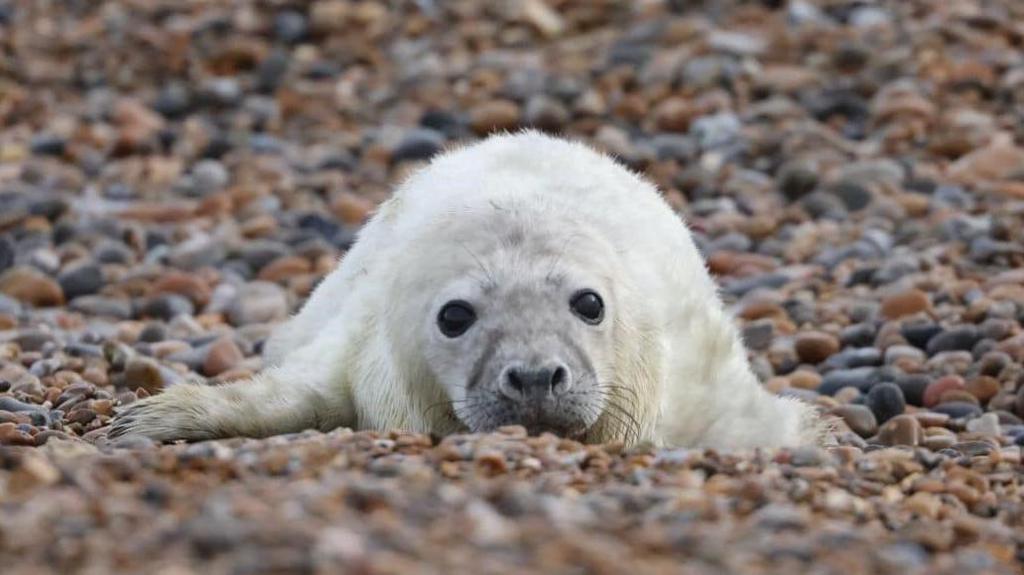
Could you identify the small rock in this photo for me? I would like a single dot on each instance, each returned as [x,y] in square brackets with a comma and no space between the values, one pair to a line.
[494,116]
[859,418]
[933,394]
[960,338]
[221,356]
[258,302]
[418,145]
[145,373]
[958,409]
[987,424]
[983,387]
[886,401]
[81,278]
[166,307]
[32,287]
[905,303]
[209,176]
[901,430]
[815,346]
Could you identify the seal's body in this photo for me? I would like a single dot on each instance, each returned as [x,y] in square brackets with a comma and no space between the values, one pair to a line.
[522,280]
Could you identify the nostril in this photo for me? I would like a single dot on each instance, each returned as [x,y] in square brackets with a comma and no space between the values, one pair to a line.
[515,381]
[559,378]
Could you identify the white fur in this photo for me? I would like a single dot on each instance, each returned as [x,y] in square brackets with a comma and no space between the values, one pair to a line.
[340,362]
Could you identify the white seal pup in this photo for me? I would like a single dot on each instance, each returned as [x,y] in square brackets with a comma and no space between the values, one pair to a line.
[522,280]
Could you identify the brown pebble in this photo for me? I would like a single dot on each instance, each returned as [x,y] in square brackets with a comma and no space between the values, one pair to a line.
[933,393]
[350,208]
[222,356]
[805,379]
[30,286]
[958,395]
[190,286]
[815,346]
[983,388]
[284,268]
[674,114]
[859,418]
[905,303]
[900,430]
[11,435]
[494,116]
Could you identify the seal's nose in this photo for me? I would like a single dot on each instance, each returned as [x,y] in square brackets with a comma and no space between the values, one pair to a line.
[521,382]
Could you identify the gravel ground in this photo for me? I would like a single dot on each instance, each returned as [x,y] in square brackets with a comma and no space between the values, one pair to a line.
[176,177]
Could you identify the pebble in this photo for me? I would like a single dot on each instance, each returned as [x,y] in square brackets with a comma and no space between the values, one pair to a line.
[905,303]
[418,145]
[901,430]
[960,338]
[493,116]
[859,418]
[221,356]
[885,400]
[82,278]
[941,386]
[815,346]
[166,306]
[31,287]
[258,302]
[958,409]
[145,373]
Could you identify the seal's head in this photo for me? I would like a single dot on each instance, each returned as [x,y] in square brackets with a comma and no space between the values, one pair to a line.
[520,327]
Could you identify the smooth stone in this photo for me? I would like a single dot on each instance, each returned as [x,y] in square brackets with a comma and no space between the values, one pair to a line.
[897,353]
[918,334]
[958,409]
[717,131]
[221,356]
[258,302]
[986,424]
[937,388]
[7,252]
[197,252]
[857,335]
[859,418]
[855,357]
[758,335]
[419,144]
[142,372]
[48,145]
[102,306]
[901,430]
[854,195]
[166,306]
[885,400]
[960,338]
[495,115]
[209,176]
[983,388]
[913,387]
[974,448]
[81,278]
[32,287]
[815,346]
[905,303]
[860,378]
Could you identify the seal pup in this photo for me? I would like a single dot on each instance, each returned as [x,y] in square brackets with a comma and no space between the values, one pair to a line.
[523,280]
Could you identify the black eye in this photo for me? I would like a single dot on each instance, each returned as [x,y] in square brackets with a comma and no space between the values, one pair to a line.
[588,306]
[455,318]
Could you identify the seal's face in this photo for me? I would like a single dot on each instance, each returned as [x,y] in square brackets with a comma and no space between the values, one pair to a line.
[522,335]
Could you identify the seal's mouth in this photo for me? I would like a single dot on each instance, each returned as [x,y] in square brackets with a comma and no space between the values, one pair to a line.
[570,419]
